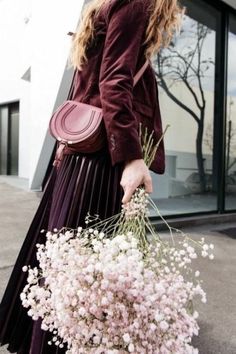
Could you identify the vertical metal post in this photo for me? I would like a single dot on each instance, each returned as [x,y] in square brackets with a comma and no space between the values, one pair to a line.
[220,110]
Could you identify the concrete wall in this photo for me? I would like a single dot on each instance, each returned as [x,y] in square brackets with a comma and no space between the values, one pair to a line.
[15,28]
[34,34]
[52,21]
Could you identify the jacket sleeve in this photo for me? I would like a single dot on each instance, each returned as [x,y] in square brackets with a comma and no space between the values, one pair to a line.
[124,36]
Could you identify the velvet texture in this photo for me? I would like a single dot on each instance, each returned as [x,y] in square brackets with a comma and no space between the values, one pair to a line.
[106,80]
[82,183]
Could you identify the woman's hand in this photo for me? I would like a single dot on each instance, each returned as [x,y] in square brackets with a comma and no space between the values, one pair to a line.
[135,173]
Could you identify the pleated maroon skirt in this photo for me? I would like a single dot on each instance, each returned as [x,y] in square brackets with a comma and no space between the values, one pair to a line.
[82,183]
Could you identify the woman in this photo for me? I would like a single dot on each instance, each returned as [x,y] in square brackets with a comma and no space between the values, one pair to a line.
[112,42]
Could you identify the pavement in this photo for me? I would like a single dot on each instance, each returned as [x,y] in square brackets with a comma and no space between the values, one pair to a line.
[217,318]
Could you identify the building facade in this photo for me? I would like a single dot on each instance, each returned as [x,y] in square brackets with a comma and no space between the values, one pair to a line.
[197,90]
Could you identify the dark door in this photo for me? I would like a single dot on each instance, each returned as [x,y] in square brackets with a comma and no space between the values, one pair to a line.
[9,138]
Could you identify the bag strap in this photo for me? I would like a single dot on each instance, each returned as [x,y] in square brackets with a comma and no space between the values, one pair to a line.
[140,72]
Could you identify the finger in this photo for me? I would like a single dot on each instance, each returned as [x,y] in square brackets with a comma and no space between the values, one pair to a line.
[148,185]
[128,194]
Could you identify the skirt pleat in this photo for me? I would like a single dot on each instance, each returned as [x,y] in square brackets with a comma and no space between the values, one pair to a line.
[83,183]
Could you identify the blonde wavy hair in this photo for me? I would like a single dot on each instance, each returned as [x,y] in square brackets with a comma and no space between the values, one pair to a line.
[165,19]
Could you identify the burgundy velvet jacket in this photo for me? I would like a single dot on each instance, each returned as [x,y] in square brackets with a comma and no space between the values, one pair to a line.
[106,80]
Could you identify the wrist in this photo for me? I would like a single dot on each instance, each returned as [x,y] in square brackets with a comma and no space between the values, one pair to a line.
[128,162]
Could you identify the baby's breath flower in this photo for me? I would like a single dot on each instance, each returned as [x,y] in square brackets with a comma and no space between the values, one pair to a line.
[131,348]
[126,337]
[113,286]
[204,254]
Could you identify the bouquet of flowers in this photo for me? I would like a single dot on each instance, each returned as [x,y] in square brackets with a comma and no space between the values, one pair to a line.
[115,286]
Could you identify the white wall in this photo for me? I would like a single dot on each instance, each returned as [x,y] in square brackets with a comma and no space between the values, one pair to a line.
[34,34]
[14,61]
[51,22]
[24,130]
[12,38]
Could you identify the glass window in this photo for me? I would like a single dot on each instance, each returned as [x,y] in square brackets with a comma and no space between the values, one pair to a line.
[185,73]
[230,168]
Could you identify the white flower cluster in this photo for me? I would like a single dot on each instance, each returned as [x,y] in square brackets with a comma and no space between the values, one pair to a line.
[206,249]
[138,205]
[108,298]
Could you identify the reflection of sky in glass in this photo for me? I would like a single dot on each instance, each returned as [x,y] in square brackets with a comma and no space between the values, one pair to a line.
[232,65]
[187,41]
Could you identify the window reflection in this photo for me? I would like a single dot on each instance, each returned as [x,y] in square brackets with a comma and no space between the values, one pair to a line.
[185,73]
[230,168]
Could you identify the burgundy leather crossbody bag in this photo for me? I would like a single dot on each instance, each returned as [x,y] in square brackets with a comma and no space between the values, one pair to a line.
[79,127]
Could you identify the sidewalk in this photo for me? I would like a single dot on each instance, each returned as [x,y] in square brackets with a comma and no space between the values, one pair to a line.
[217,318]
[17,207]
